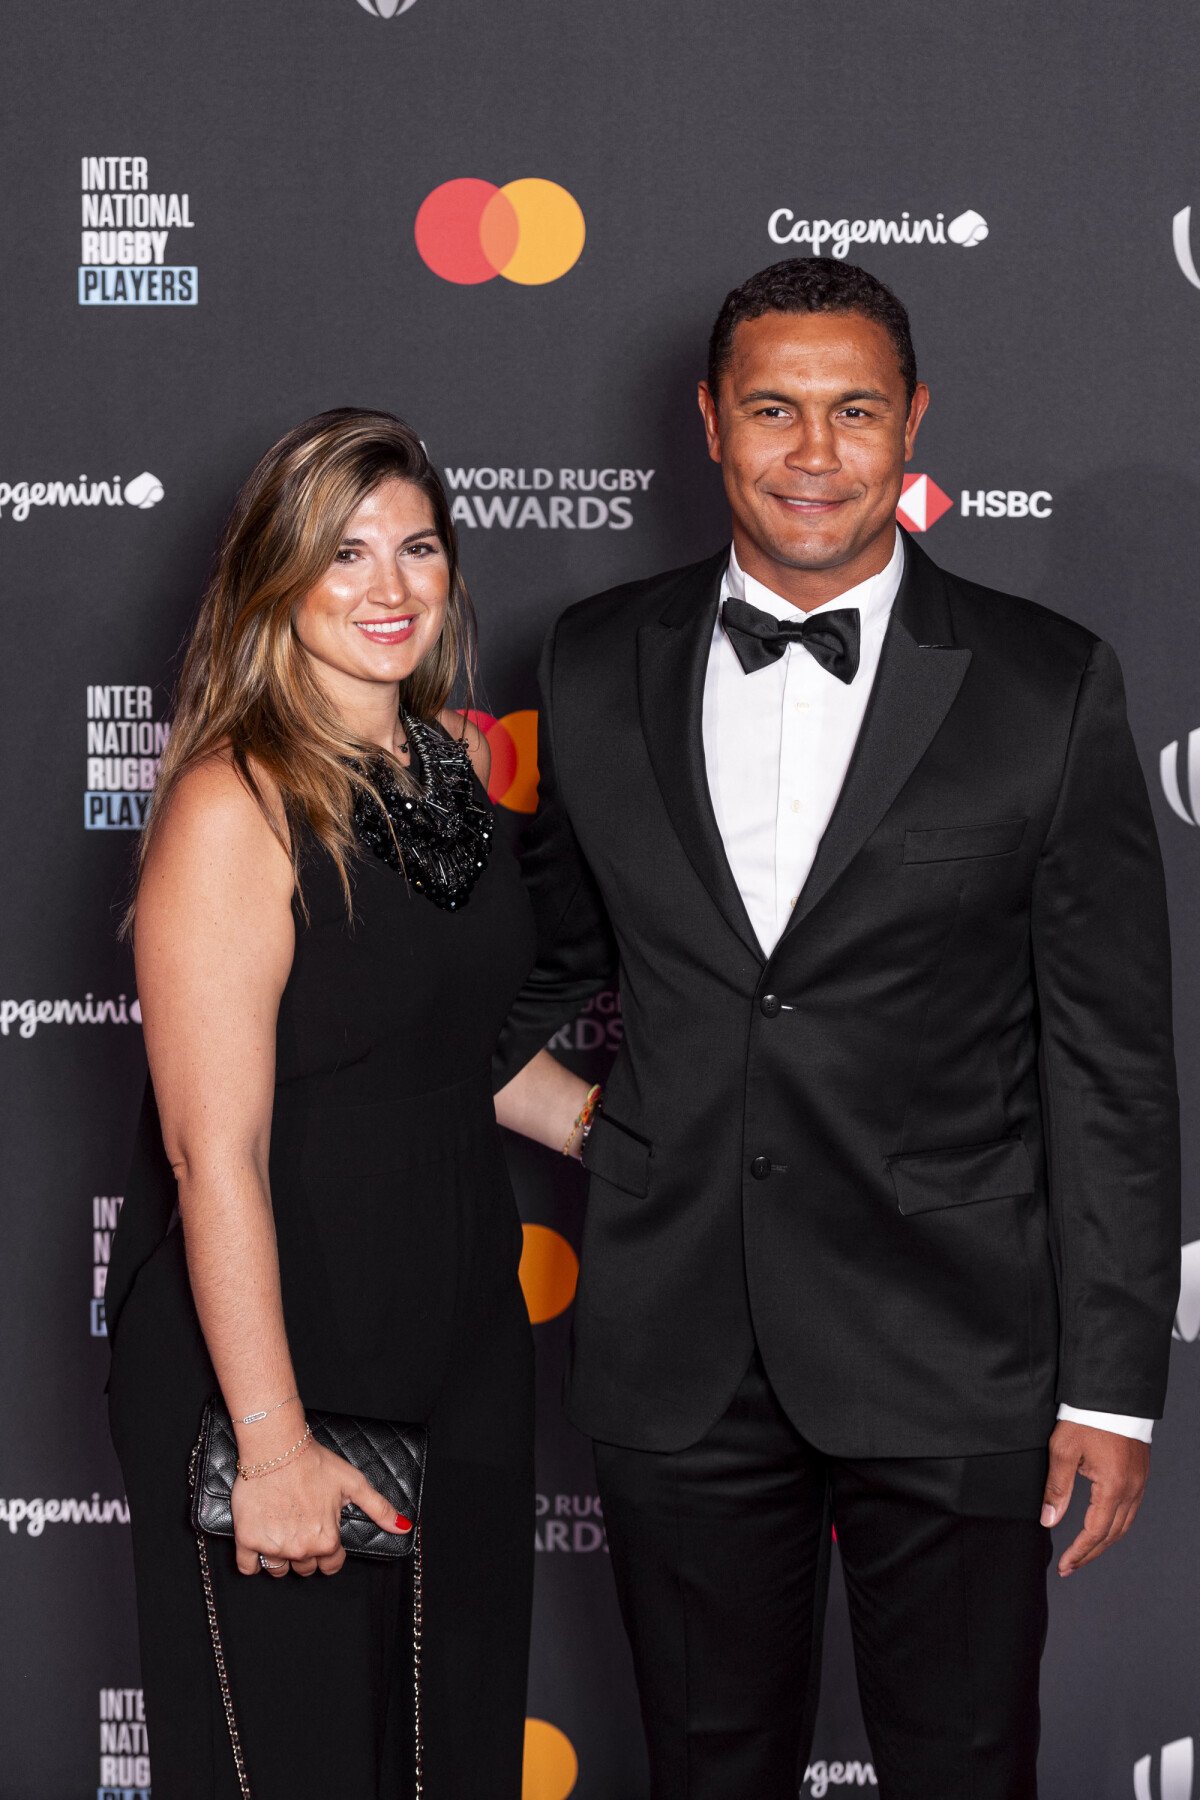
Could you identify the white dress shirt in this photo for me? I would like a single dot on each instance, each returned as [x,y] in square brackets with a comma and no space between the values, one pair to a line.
[777,744]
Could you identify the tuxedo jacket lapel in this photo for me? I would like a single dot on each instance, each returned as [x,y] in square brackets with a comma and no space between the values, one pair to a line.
[920,672]
[672,661]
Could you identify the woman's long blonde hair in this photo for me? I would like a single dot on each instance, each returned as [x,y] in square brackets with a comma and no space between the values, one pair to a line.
[246,688]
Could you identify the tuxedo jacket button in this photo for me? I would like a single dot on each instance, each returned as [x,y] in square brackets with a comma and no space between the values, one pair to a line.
[770,1005]
[760,1168]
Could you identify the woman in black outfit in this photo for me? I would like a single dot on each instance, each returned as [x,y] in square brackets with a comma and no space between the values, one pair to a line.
[327,939]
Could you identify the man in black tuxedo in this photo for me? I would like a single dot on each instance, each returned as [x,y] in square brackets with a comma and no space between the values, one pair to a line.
[884,1193]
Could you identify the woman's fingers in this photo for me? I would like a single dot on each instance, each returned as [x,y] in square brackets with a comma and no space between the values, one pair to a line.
[370,1501]
[309,1541]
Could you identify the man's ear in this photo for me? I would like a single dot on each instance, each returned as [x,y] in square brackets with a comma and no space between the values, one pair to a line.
[916,412]
[712,424]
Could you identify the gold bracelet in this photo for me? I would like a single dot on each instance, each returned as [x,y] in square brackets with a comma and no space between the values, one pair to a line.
[251,1471]
[584,1116]
[256,1418]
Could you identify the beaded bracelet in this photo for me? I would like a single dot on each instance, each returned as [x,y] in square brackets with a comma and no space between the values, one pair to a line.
[251,1471]
[584,1118]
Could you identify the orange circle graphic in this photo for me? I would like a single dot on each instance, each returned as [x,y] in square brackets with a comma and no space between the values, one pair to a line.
[521,791]
[548,1274]
[551,1767]
[530,231]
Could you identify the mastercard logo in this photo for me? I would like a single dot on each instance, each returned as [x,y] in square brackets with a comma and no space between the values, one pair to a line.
[513,742]
[549,1273]
[530,231]
[551,1767]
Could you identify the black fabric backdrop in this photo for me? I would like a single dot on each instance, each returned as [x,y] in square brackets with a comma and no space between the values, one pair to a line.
[1060,340]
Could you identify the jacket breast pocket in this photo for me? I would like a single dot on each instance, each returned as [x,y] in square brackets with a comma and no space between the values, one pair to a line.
[949,843]
[930,1179]
[618,1156]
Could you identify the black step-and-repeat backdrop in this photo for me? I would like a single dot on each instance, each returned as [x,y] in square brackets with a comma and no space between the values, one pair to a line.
[512,225]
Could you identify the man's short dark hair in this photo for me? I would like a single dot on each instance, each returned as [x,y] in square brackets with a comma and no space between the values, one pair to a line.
[812,284]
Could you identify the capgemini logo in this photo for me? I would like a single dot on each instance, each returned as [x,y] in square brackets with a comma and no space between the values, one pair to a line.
[1181,234]
[1182,800]
[144,491]
[1187,1317]
[1174,1773]
[969,229]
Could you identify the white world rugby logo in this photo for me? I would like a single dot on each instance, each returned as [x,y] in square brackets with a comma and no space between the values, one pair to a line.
[1181,236]
[1174,1773]
[1187,1315]
[1181,802]
[144,491]
[386,9]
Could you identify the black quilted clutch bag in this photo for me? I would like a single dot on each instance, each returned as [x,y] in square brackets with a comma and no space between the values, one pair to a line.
[392,1457]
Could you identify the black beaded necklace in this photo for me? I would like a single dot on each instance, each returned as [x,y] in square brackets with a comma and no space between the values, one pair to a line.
[440,836]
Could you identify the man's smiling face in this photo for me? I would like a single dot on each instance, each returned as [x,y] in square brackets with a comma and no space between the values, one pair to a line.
[812,428]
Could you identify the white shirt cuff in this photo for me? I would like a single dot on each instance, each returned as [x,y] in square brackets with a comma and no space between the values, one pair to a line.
[1122,1423]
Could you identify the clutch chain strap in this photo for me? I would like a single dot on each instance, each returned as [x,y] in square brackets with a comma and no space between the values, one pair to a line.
[214,1632]
[418,1635]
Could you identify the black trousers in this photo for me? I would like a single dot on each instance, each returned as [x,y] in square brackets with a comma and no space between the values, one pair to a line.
[720,1555]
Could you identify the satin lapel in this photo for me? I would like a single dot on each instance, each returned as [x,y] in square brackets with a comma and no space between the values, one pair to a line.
[672,662]
[920,672]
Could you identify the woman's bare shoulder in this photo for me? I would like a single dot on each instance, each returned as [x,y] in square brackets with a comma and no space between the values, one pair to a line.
[211,816]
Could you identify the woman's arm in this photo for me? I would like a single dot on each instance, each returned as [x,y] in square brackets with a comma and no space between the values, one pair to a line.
[544,1102]
[214,943]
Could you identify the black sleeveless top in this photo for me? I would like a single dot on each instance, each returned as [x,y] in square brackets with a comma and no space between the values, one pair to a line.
[393,1213]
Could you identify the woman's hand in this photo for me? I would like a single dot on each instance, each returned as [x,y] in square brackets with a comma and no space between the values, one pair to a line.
[292,1517]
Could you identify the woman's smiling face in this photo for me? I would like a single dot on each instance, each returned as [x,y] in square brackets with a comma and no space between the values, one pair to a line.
[380,606]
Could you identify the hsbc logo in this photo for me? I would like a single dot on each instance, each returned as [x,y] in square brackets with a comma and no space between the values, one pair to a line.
[1174,1773]
[1181,798]
[1187,1317]
[922,503]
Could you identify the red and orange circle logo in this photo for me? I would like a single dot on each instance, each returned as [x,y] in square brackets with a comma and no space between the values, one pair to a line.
[512,740]
[551,1767]
[549,1273]
[529,231]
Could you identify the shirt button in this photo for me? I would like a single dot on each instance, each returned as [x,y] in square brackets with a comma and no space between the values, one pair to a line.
[760,1168]
[770,1005]
[796,805]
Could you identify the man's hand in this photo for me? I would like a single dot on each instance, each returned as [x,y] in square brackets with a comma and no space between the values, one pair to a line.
[1117,1468]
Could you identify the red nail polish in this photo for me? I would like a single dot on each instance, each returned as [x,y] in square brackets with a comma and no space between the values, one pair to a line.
[403,1523]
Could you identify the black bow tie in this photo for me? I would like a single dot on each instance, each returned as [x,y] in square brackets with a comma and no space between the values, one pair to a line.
[758,639]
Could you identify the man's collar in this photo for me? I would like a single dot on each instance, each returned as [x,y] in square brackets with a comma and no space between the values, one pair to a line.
[873,597]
